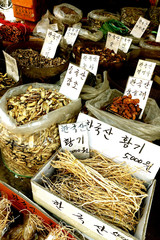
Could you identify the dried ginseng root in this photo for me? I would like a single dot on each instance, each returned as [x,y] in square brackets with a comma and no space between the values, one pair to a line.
[125,106]
[58,233]
[5,211]
[115,199]
[32,223]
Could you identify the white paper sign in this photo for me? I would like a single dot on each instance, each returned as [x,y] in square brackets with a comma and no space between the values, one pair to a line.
[144,69]
[138,88]
[140,27]
[11,66]
[50,44]
[73,82]
[71,35]
[79,217]
[125,44]
[113,41]
[89,62]
[158,35]
[74,137]
[121,146]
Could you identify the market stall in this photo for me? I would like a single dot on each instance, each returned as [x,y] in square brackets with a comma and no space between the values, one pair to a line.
[80,120]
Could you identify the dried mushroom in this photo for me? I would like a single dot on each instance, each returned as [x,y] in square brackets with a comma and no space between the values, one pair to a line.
[31,58]
[106,55]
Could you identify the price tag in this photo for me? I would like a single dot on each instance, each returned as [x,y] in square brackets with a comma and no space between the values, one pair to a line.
[125,44]
[89,62]
[121,146]
[140,27]
[113,41]
[144,69]
[73,82]
[11,66]
[74,137]
[50,44]
[139,88]
[158,35]
[71,35]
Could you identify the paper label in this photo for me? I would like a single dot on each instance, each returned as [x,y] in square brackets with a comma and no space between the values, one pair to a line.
[158,35]
[140,27]
[121,146]
[138,88]
[71,35]
[74,137]
[73,82]
[50,44]
[11,66]
[80,217]
[113,41]
[125,44]
[144,69]
[89,62]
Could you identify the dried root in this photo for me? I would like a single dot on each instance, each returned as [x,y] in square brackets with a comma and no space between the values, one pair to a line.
[100,186]
[5,211]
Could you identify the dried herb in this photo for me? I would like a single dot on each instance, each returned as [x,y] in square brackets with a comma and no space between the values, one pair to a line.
[31,58]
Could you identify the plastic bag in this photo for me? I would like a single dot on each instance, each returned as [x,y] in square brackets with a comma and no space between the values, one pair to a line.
[154,16]
[27,147]
[149,129]
[130,15]
[89,92]
[48,21]
[149,42]
[93,35]
[67,13]
[98,16]
[14,32]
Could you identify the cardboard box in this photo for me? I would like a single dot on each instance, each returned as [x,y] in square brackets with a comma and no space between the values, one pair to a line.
[25,3]
[30,10]
[82,220]
[21,202]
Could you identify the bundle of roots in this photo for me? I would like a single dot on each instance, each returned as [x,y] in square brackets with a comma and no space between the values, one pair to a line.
[100,186]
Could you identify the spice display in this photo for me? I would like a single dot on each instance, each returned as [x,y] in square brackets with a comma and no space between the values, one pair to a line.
[106,55]
[104,188]
[130,15]
[154,16]
[35,103]
[67,13]
[125,106]
[31,58]
[5,81]
[36,120]
[98,16]
[14,32]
